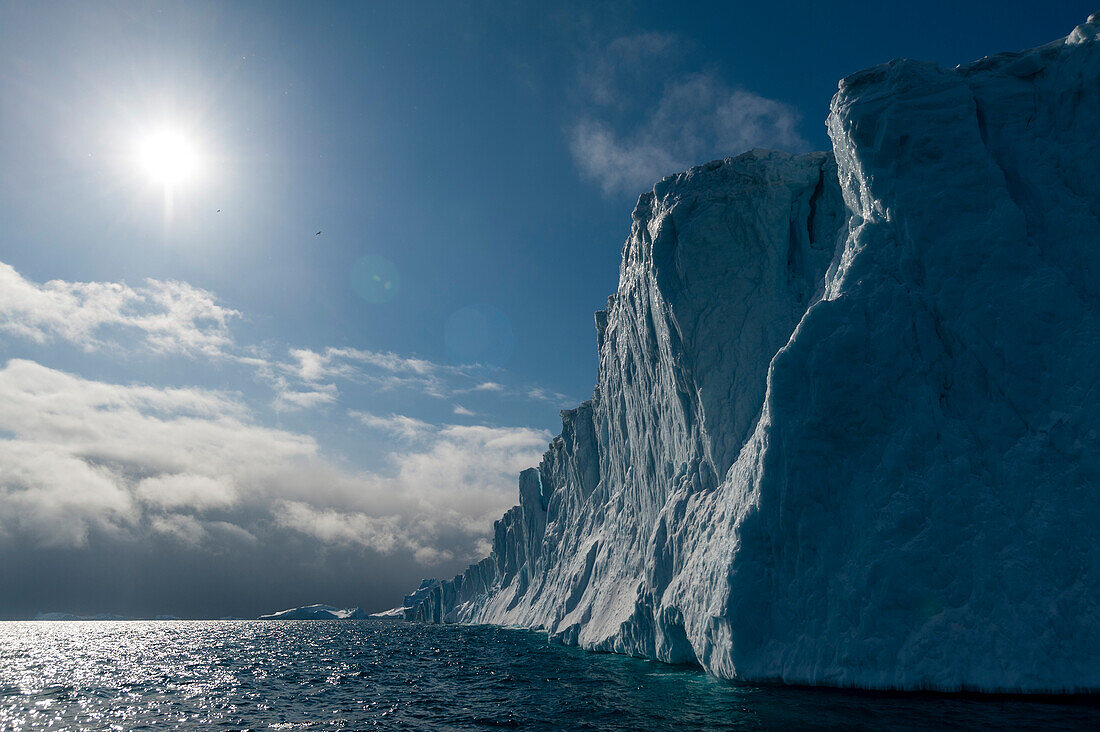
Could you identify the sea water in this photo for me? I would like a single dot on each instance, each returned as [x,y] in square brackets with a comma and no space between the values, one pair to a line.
[375,674]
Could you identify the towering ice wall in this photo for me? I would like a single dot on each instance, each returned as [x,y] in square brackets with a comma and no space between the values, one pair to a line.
[846,425]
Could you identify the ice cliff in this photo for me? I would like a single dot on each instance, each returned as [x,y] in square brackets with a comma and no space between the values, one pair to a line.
[845,425]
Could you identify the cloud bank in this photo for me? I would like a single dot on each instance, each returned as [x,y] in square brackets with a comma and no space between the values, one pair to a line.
[164,491]
[80,457]
[168,316]
[643,119]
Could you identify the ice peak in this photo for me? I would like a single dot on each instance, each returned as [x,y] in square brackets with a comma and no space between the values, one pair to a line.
[1086,32]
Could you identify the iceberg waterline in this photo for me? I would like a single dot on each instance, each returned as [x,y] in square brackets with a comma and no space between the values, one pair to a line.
[845,425]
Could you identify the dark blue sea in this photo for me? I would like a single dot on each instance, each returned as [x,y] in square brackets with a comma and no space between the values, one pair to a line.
[376,674]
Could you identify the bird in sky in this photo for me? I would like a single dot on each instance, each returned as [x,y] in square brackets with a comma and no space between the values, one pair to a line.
[317,234]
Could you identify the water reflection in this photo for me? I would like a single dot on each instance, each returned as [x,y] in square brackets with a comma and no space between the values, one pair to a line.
[393,675]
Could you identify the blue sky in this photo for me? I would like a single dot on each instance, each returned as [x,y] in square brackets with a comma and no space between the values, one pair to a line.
[195,398]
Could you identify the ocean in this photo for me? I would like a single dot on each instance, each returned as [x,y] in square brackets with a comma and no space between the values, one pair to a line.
[377,674]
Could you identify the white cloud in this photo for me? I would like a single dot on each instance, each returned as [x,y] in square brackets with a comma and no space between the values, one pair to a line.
[58,497]
[396,424]
[644,120]
[287,398]
[534,393]
[540,394]
[335,527]
[306,379]
[175,318]
[185,528]
[345,362]
[462,478]
[489,386]
[79,456]
[181,490]
[171,317]
[86,455]
[390,361]
[429,555]
[299,382]
[311,365]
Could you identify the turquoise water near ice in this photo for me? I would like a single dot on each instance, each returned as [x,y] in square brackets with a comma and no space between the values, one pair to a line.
[375,674]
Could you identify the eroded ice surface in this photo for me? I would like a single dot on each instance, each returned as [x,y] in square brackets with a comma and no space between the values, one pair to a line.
[845,424]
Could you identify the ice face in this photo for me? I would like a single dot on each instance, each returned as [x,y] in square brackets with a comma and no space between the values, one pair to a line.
[845,425]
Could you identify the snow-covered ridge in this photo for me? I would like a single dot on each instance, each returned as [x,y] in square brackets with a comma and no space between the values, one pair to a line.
[845,425]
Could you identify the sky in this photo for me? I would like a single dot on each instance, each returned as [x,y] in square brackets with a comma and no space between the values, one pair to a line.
[291,292]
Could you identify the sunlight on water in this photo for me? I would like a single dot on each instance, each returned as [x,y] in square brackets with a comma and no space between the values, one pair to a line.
[393,675]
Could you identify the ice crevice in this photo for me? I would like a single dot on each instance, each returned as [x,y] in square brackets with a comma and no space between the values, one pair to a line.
[845,425]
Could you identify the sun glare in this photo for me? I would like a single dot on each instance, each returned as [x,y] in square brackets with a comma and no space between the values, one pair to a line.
[168,157]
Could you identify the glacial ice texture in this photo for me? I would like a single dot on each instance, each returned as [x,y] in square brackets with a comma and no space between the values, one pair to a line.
[845,424]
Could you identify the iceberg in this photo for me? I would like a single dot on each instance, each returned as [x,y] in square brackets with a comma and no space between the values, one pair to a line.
[63,616]
[58,616]
[845,426]
[316,612]
[396,613]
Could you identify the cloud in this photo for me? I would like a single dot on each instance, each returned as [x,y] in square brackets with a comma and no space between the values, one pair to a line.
[343,362]
[396,424]
[86,455]
[305,380]
[200,492]
[186,529]
[334,527]
[298,382]
[95,476]
[288,398]
[539,394]
[644,120]
[311,366]
[80,457]
[436,499]
[488,386]
[58,497]
[83,461]
[534,393]
[617,75]
[171,317]
[461,479]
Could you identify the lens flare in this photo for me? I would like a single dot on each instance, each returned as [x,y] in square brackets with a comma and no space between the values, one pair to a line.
[374,278]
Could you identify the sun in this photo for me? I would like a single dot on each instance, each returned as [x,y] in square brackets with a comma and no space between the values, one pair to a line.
[168,157]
